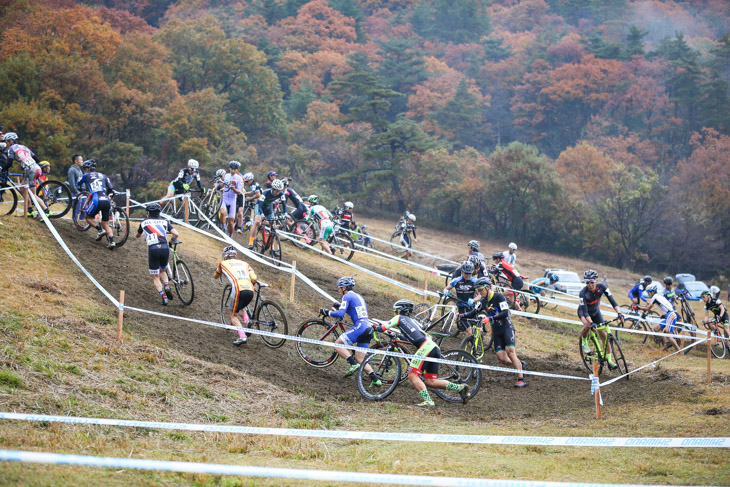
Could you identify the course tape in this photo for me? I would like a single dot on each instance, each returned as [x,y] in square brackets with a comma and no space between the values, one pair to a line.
[631,442]
[285,473]
[351,347]
[407,248]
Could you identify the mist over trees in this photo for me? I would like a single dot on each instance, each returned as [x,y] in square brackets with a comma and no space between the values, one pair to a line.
[591,127]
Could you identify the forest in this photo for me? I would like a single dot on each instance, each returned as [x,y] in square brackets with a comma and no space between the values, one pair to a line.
[598,128]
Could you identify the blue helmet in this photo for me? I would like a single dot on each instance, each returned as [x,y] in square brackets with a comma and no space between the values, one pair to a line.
[346,282]
[553,278]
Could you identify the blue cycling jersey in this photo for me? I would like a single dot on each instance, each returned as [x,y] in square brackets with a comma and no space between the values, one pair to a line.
[637,291]
[354,305]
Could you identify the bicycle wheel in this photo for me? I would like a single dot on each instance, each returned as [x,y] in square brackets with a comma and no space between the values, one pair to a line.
[459,374]
[344,246]
[532,301]
[387,368]
[275,248]
[717,346]
[592,355]
[258,240]
[303,234]
[57,197]
[225,311]
[120,226]
[317,355]
[469,345]
[183,281]
[637,324]
[79,215]
[270,317]
[8,201]
[618,356]
[395,245]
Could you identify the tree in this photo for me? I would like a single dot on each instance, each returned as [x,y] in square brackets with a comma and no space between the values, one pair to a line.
[634,41]
[402,68]
[448,21]
[461,117]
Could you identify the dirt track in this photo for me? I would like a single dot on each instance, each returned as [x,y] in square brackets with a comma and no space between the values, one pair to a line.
[126,268]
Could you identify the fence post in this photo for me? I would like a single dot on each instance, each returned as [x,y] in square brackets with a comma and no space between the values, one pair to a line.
[26,202]
[120,317]
[293,280]
[186,210]
[127,207]
[597,395]
[709,355]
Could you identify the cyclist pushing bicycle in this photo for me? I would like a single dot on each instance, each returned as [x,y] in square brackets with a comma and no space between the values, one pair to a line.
[155,230]
[464,287]
[186,176]
[242,278]
[264,207]
[714,305]
[589,310]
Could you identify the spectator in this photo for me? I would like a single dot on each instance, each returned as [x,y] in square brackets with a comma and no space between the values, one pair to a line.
[510,255]
[75,173]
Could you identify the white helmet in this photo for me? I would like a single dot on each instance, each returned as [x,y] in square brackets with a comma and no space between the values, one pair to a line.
[10,136]
[653,287]
[411,217]
[193,164]
[277,184]
[220,173]
[248,176]
[512,246]
[349,205]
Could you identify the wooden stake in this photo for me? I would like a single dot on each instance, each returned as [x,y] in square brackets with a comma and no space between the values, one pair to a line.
[120,318]
[293,280]
[709,356]
[26,202]
[186,210]
[127,206]
[597,395]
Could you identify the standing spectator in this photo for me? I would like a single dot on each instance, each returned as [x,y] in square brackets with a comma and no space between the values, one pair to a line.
[510,255]
[75,173]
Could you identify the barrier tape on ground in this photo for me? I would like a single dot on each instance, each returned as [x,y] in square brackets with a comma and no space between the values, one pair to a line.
[580,441]
[351,347]
[407,248]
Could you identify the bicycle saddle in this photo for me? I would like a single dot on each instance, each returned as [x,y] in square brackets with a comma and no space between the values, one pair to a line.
[175,242]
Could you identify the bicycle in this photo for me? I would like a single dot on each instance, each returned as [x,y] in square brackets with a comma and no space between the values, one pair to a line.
[341,242]
[55,194]
[389,370]
[210,205]
[401,231]
[268,239]
[319,329]
[688,316]
[180,276]
[118,219]
[634,321]
[523,300]
[176,210]
[597,349]
[480,339]
[267,315]
[719,344]
[445,308]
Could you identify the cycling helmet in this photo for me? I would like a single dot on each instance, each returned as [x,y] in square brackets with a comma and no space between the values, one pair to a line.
[193,164]
[89,164]
[474,245]
[248,177]
[715,291]
[45,164]
[411,217]
[314,199]
[553,278]
[706,293]
[467,267]
[498,255]
[349,205]
[653,288]
[668,280]
[230,252]
[10,136]
[403,307]
[271,173]
[648,279]
[483,282]
[475,260]
[220,173]
[512,246]
[590,275]
[364,227]
[153,208]
[277,184]
[285,181]
[234,165]
[346,282]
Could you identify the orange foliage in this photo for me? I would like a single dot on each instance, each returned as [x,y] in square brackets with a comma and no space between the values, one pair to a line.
[318,26]
[591,82]
[584,170]
[320,68]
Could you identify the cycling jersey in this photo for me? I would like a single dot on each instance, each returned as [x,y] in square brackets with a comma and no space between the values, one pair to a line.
[637,292]
[507,270]
[255,188]
[538,285]
[715,305]
[671,295]
[407,327]
[662,302]
[464,289]
[297,200]
[589,302]
[510,258]
[345,219]
[264,206]
[240,275]
[496,307]
[353,305]
[22,154]
[99,185]
[155,232]
[186,176]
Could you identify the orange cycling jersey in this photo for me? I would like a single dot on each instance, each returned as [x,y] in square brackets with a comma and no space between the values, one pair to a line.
[239,274]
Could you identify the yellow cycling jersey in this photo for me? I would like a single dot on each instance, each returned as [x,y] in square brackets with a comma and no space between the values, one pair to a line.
[239,274]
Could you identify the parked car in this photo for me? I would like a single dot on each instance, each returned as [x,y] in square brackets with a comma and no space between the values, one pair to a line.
[684,278]
[568,281]
[695,288]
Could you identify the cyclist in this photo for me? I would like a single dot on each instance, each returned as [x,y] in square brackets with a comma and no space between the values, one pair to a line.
[409,225]
[667,312]
[270,178]
[636,292]
[185,177]
[29,162]
[668,291]
[480,270]
[361,332]
[509,255]
[265,207]
[463,286]
[233,184]
[238,224]
[251,197]
[366,236]
[404,325]
[296,200]
[323,217]
[345,217]
[538,286]
[718,309]
[98,201]
[507,270]
[589,310]
[474,250]
[242,278]
[45,170]
[155,230]
[496,307]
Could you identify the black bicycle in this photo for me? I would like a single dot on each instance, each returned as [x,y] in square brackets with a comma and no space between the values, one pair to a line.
[56,195]
[266,315]
[118,219]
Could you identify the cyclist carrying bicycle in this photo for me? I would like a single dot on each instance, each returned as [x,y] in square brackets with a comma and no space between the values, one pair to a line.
[589,310]
[667,311]
[508,271]
[297,201]
[181,184]
[323,218]
[636,292]
[251,196]
[404,325]
[361,332]
[409,226]
[538,286]
[718,309]
[98,201]
[344,215]
[496,307]
[265,207]
[155,230]
[233,186]
[29,162]
[464,287]
[242,278]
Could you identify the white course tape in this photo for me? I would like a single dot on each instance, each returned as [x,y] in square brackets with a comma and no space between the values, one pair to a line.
[286,473]
[406,248]
[137,204]
[631,442]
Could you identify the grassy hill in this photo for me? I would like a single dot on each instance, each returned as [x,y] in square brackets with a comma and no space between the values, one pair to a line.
[60,356]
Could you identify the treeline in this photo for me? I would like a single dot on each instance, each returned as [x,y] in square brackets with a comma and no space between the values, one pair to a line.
[592,127]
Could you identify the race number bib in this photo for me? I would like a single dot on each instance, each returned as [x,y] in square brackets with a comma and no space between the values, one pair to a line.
[152,239]
[96,186]
[503,305]
[241,275]
[362,311]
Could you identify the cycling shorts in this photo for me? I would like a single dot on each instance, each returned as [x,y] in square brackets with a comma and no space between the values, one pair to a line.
[360,334]
[325,229]
[596,316]
[230,206]
[158,258]
[503,335]
[669,322]
[236,302]
[96,206]
[517,283]
[266,210]
[405,239]
[177,187]
[298,214]
[239,201]
[429,369]
[32,173]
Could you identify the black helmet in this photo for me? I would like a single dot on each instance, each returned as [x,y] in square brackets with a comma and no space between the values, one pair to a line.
[89,164]
[473,244]
[467,267]
[648,279]
[668,280]
[498,255]
[153,208]
[590,275]
[483,282]
[403,307]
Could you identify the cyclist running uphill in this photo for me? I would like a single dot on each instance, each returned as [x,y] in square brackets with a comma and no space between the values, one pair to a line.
[539,286]
[636,293]
[409,226]
[714,305]
[402,324]
[233,184]
[508,271]
[155,230]
[361,332]
[242,278]
[496,307]
[98,201]
[589,310]
[297,201]
[667,312]
[265,207]
[29,162]
[323,218]
[251,197]
[464,287]
[181,184]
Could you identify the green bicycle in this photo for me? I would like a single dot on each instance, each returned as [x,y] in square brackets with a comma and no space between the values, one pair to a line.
[598,350]
[180,276]
[480,339]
